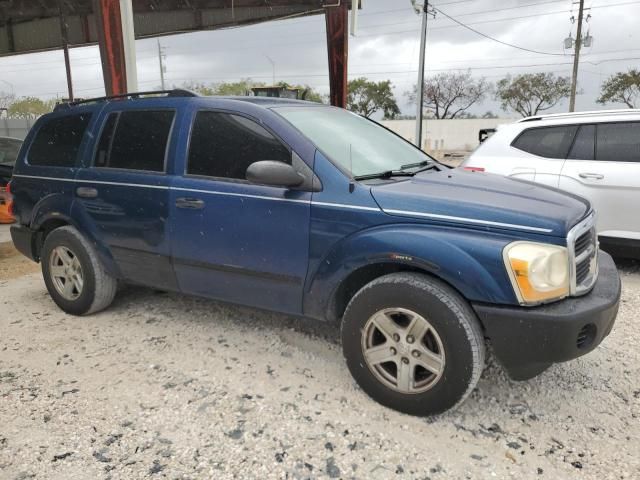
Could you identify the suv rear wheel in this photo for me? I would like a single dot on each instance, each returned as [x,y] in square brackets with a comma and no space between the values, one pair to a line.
[73,274]
[412,343]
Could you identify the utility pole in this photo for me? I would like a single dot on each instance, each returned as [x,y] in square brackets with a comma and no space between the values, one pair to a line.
[273,67]
[425,12]
[161,64]
[576,59]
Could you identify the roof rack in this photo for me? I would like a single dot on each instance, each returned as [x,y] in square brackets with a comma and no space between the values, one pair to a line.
[620,111]
[176,92]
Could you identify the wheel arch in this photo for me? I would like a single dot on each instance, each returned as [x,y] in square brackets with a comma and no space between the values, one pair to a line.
[469,261]
[366,274]
[51,220]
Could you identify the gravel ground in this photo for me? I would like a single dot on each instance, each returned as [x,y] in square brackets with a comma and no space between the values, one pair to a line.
[5,235]
[166,386]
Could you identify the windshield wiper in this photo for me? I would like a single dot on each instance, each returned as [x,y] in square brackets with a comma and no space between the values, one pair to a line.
[385,174]
[425,164]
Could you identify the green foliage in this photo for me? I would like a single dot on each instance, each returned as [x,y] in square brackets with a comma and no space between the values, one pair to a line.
[450,95]
[623,87]
[531,93]
[366,98]
[30,107]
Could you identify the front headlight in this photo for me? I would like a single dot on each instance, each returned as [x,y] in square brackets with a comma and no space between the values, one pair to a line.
[539,272]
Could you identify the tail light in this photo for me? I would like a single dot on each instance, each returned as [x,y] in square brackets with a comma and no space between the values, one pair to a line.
[474,169]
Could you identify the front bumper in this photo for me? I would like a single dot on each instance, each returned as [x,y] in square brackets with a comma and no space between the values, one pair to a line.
[528,340]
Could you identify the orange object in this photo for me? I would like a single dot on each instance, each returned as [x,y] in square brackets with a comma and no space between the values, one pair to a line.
[6,210]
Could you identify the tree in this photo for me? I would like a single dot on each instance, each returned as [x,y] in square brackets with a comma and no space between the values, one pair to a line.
[530,93]
[6,99]
[30,107]
[623,87]
[366,98]
[239,88]
[448,95]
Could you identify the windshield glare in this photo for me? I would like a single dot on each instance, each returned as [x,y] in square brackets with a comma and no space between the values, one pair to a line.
[356,144]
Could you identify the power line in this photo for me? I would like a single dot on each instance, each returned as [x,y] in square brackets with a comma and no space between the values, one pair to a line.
[495,39]
[479,12]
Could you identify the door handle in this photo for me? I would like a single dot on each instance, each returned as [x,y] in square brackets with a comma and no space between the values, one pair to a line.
[189,203]
[86,192]
[592,176]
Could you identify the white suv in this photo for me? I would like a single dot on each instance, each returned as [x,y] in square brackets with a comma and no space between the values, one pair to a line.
[592,154]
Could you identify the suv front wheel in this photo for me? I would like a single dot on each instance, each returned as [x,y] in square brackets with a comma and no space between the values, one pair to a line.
[73,274]
[412,343]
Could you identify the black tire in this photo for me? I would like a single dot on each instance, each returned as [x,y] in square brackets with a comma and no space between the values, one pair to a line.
[457,327]
[99,288]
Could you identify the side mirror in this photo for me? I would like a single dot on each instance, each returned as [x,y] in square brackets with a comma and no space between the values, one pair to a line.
[274,174]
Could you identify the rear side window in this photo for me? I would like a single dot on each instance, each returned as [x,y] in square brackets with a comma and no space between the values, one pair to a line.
[618,142]
[135,140]
[549,142]
[584,144]
[224,145]
[57,142]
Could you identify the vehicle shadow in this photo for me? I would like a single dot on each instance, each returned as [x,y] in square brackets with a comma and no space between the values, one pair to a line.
[202,310]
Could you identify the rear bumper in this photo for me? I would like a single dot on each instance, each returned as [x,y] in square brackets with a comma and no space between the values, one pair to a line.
[528,340]
[24,239]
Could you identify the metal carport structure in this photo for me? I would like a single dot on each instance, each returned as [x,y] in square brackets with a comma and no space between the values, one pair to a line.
[28,26]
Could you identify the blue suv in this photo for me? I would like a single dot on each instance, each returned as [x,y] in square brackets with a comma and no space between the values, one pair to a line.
[311,210]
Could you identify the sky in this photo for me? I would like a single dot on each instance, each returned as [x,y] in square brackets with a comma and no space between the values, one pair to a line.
[386,46]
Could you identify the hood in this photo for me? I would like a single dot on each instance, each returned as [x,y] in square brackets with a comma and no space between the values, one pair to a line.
[484,200]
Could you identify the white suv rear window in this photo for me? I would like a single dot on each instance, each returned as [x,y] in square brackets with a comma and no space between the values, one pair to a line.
[549,142]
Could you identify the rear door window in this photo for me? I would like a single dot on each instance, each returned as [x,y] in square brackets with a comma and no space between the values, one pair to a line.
[618,142]
[548,142]
[223,145]
[135,140]
[584,144]
[57,142]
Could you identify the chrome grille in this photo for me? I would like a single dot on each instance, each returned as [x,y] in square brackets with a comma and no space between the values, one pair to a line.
[582,243]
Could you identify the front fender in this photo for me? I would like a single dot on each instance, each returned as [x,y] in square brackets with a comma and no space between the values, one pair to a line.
[468,260]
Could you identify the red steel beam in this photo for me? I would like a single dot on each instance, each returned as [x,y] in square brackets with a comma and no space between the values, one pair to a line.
[337,47]
[109,25]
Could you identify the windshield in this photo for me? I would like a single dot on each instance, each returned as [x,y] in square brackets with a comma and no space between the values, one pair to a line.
[356,144]
[9,149]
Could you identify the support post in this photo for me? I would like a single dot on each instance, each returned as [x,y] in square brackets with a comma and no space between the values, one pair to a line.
[129,41]
[11,42]
[110,39]
[337,47]
[65,49]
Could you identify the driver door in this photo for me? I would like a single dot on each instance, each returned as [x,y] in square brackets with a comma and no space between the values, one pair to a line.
[232,240]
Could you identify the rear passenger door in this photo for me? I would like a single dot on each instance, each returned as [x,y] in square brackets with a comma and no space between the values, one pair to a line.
[123,192]
[233,240]
[547,148]
[604,166]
